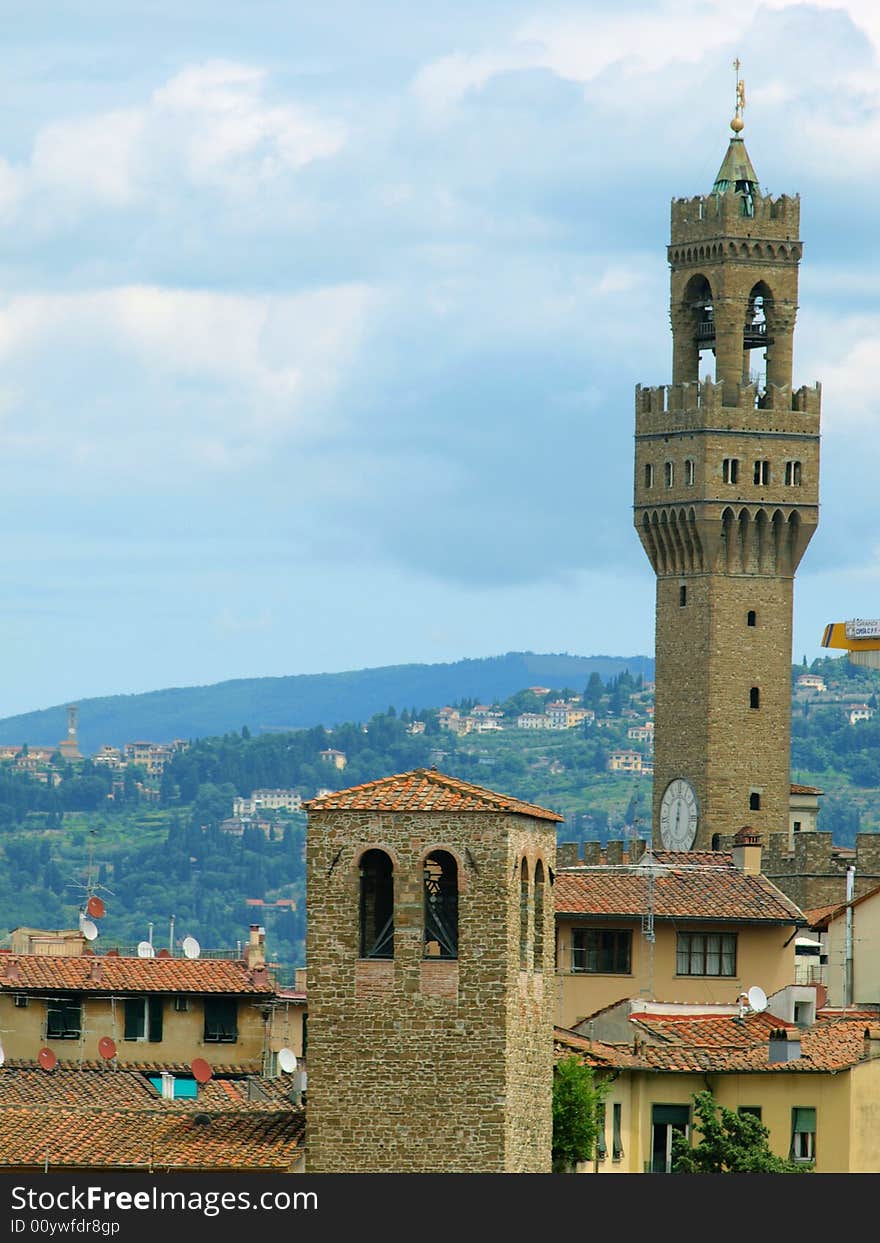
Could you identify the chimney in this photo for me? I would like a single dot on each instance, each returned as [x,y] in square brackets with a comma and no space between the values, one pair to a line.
[747,851]
[255,953]
[785,1046]
[167,1086]
[300,976]
[872,1042]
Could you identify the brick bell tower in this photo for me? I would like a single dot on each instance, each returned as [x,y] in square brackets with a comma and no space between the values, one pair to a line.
[726,501]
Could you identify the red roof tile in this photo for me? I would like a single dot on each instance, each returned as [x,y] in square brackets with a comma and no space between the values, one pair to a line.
[105,974]
[717,892]
[42,1137]
[425,789]
[117,1088]
[828,1046]
[798,789]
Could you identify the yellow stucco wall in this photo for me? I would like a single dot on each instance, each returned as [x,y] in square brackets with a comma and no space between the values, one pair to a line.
[762,958]
[24,1033]
[847,1108]
[866,961]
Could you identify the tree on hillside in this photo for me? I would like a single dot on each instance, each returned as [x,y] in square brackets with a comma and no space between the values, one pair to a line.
[577,1109]
[730,1143]
[594,691]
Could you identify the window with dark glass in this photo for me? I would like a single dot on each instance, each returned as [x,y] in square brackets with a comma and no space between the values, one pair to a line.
[376,905]
[705,953]
[682,596]
[64,1018]
[690,472]
[754,697]
[143,1018]
[221,1020]
[669,473]
[601,1147]
[649,475]
[665,1121]
[730,470]
[616,1132]
[601,951]
[441,905]
[751,618]
[754,801]
[793,474]
[762,473]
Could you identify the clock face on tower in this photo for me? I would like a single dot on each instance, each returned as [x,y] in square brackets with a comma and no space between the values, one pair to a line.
[679,815]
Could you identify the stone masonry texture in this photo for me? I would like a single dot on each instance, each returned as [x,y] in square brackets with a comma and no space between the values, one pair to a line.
[422,1065]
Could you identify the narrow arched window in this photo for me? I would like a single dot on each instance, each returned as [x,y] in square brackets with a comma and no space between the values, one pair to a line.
[754,697]
[751,618]
[376,905]
[539,916]
[649,475]
[793,474]
[441,905]
[690,471]
[523,914]
[730,470]
[682,596]
[669,473]
[754,801]
[762,473]
[716,841]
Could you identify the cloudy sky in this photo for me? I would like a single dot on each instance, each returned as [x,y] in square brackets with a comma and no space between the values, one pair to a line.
[319,324]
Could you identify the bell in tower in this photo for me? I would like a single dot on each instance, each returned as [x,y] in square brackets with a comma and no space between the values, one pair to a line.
[726,500]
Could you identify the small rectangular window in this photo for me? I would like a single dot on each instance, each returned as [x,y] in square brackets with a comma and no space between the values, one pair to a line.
[21,1000]
[762,473]
[601,1148]
[181,1004]
[135,1018]
[616,1138]
[601,951]
[730,470]
[803,1134]
[700,953]
[755,801]
[754,1110]
[221,1020]
[64,1018]
[682,596]
[793,474]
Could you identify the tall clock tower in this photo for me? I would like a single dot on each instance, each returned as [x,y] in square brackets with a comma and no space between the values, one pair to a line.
[726,501]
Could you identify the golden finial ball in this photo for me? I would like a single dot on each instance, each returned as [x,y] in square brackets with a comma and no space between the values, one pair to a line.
[737,124]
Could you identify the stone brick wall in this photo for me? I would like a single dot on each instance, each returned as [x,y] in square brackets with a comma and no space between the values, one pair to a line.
[813,872]
[722,549]
[429,1065]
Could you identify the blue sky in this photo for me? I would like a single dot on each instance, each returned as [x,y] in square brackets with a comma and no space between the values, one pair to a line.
[319,325]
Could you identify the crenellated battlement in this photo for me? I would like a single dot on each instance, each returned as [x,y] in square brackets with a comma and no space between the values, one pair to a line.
[719,215]
[701,406]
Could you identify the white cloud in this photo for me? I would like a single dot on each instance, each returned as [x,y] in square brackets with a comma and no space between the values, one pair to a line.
[211,126]
[175,380]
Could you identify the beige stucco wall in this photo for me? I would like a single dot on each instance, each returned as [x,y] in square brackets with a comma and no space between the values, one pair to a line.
[847,1113]
[24,1033]
[866,960]
[762,958]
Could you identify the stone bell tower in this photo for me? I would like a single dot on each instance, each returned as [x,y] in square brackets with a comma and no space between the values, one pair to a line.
[726,501]
[431,979]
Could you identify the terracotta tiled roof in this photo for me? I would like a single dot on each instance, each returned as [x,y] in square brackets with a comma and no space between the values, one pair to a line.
[691,891]
[106,974]
[123,1088]
[46,1137]
[828,1046]
[819,916]
[798,789]
[425,789]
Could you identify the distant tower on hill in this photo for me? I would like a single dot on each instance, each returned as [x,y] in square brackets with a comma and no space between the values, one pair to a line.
[726,501]
[430,979]
[69,746]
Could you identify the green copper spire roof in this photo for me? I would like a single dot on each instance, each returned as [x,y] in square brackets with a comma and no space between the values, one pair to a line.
[736,172]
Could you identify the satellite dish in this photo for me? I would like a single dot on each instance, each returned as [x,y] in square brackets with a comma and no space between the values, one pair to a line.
[107,1048]
[164,953]
[88,929]
[47,1059]
[145,950]
[757,999]
[201,1070]
[191,947]
[95,907]
[287,1060]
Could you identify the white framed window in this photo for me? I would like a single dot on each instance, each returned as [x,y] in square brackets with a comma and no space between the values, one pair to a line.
[730,470]
[649,475]
[705,953]
[669,473]
[690,472]
[793,474]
